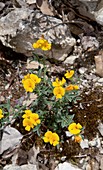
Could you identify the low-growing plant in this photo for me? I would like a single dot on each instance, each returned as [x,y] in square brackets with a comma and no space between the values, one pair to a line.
[49,113]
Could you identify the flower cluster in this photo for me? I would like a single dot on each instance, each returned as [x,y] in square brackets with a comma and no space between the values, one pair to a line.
[52,138]
[76,129]
[1,114]
[29,82]
[42,44]
[30,120]
[59,90]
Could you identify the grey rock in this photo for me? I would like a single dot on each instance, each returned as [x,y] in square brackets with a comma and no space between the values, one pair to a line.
[84,144]
[88,167]
[21,27]
[100,80]
[10,139]
[23,167]
[99,16]
[2,5]
[66,166]
[12,167]
[101,163]
[89,42]
[82,70]
[70,59]
[92,143]
[100,128]
[29,167]
[30,1]
[68,134]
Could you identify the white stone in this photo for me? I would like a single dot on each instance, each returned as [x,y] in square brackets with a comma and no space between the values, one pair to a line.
[84,144]
[66,166]
[92,143]
[29,167]
[23,167]
[100,128]
[19,30]
[68,134]
[30,1]
[82,70]
[99,16]
[70,59]
[11,139]
[100,80]
[12,167]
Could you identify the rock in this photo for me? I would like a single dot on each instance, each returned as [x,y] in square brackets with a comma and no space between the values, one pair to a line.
[84,144]
[23,167]
[21,27]
[30,1]
[100,128]
[29,167]
[11,138]
[101,163]
[89,42]
[68,134]
[66,166]
[2,5]
[99,16]
[92,143]
[63,158]
[12,167]
[70,59]
[88,167]
[100,80]
[99,64]
[82,70]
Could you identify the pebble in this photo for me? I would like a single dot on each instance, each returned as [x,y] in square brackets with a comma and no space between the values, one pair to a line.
[68,134]
[100,80]
[100,128]
[93,143]
[84,144]
[82,70]
[66,166]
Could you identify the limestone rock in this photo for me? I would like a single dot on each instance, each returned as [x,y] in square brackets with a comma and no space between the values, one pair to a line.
[11,138]
[100,128]
[99,16]
[66,166]
[21,27]
[2,5]
[23,167]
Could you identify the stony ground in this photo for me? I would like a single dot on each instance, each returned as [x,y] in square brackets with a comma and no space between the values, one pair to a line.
[88,111]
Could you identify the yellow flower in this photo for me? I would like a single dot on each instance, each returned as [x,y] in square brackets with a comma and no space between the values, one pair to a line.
[43,44]
[54,140]
[75,128]
[35,119]
[29,85]
[59,92]
[28,124]
[72,87]
[27,114]
[76,87]
[78,138]
[35,78]
[29,81]
[69,74]
[69,87]
[58,82]
[47,136]
[1,114]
